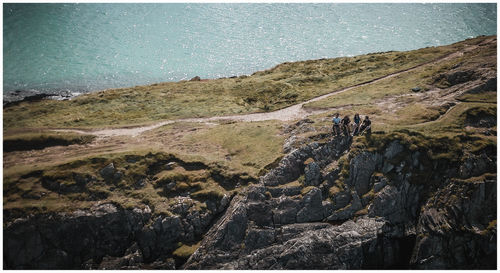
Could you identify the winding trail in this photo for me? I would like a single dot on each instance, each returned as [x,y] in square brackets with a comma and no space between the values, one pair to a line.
[290,113]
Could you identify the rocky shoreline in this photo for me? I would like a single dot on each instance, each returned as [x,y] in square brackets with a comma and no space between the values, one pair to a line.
[18,96]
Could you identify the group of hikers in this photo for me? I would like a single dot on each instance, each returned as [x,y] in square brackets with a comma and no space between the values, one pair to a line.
[344,125]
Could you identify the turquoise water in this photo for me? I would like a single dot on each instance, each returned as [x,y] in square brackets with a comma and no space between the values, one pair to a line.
[85,47]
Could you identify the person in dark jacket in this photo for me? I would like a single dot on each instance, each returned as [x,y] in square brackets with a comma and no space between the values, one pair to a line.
[346,121]
[366,126]
[357,121]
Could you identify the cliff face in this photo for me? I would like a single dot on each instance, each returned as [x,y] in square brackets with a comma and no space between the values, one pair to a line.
[325,206]
[104,237]
[382,217]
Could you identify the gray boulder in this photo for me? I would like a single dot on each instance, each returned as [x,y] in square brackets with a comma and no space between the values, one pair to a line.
[108,172]
[312,208]
[361,169]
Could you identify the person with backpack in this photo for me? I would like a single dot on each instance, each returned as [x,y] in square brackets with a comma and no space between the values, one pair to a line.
[366,126]
[346,121]
[336,125]
[357,121]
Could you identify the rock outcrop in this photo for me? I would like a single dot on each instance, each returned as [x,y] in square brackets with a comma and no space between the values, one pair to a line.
[383,216]
[105,237]
[325,206]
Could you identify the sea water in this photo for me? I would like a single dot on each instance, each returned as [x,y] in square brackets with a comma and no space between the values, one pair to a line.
[84,47]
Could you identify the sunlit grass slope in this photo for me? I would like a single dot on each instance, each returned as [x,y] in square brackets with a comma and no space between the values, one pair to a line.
[281,86]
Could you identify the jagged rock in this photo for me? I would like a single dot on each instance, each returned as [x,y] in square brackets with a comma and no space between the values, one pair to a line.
[132,258]
[80,236]
[54,258]
[460,76]
[328,208]
[379,182]
[233,227]
[196,78]
[260,213]
[223,203]
[489,85]
[292,143]
[287,191]
[292,165]
[475,165]
[312,208]
[387,167]
[341,199]
[81,180]
[321,247]
[361,169]
[273,226]
[456,232]
[258,238]
[396,204]
[286,212]
[288,232]
[168,264]
[415,159]
[393,149]
[348,211]
[257,193]
[312,174]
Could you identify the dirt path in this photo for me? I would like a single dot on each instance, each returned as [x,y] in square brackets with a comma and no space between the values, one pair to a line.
[293,112]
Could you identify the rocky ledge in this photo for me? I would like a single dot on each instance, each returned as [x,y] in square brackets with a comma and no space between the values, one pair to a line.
[106,237]
[325,206]
[395,209]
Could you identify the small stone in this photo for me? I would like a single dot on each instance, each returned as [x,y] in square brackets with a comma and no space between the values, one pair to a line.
[108,171]
[416,89]
[170,165]
[140,183]
[170,185]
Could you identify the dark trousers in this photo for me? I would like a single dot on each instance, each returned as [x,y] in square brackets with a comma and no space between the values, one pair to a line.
[367,129]
[336,129]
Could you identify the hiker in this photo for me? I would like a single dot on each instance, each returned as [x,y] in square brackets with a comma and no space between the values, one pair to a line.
[366,126]
[357,121]
[336,125]
[345,125]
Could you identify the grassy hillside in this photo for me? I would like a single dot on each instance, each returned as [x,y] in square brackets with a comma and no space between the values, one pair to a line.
[278,87]
[45,171]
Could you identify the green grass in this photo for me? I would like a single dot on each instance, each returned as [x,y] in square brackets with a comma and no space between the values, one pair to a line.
[26,192]
[247,146]
[454,121]
[394,86]
[184,251]
[393,106]
[490,97]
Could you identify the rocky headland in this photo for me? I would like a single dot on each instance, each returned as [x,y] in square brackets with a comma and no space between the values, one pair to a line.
[417,193]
